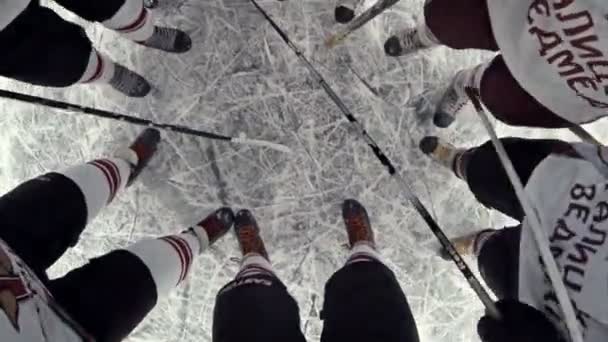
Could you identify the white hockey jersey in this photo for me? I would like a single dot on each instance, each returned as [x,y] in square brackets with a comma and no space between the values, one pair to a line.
[571,197]
[28,312]
[558,52]
[10,9]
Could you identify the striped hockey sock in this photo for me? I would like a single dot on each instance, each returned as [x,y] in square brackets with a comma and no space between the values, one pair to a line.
[100,181]
[168,258]
[362,252]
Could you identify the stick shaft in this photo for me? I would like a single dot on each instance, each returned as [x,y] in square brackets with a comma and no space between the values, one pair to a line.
[584,135]
[108,115]
[415,201]
[358,22]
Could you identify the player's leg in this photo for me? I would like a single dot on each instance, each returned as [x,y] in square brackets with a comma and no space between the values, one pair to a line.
[133,20]
[112,294]
[497,253]
[43,217]
[500,93]
[60,55]
[255,306]
[363,300]
[481,168]
[462,24]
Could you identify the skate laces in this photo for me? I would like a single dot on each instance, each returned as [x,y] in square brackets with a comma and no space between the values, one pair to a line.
[163,37]
[358,229]
[250,240]
[126,81]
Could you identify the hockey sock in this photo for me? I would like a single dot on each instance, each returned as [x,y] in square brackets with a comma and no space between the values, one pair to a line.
[133,21]
[460,164]
[169,258]
[480,239]
[427,38]
[100,69]
[362,252]
[99,180]
[254,264]
[469,78]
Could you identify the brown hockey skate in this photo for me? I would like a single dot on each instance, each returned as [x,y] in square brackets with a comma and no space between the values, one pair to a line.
[248,234]
[357,223]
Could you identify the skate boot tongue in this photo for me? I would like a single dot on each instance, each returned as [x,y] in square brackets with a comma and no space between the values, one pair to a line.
[248,234]
[357,223]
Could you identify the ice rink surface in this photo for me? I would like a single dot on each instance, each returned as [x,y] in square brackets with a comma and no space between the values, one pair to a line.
[240,77]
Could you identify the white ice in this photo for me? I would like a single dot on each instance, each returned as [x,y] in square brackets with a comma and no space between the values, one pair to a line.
[240,77]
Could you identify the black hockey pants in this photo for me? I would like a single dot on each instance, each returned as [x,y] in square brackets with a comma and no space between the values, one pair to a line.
[109,296]
[499,257]
[42,48]
[363,302]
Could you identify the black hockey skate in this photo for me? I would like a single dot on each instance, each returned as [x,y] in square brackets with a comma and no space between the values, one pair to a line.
[169,40]
[248,234]
[144,148]
[357,223]
[217,224]
[344,14]
[129,82]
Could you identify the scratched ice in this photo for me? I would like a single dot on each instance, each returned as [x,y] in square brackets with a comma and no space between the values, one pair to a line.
[240,77]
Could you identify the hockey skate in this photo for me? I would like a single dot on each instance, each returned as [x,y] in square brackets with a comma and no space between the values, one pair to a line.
[452,102]
[248,234]
[343,14]
[440,151]
[345,11]
[217,224]
[169,40]
[467,245]
[357,223]
[406,42]
[129,82]
[140,152]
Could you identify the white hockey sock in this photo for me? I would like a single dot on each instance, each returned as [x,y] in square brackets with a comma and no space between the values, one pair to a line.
[254,264]
[362,252]
[168,258]
[481,239]
[427,37]
[133,21]
[99,180]
[470,77]
[100,69]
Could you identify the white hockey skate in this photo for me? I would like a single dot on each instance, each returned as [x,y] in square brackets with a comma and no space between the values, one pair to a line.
[406,42]
[452,102]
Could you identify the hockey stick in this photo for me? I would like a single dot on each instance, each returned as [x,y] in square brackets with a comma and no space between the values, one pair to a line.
[409,193]
[584,135]
[35,100]
[533,219]
[372,12]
